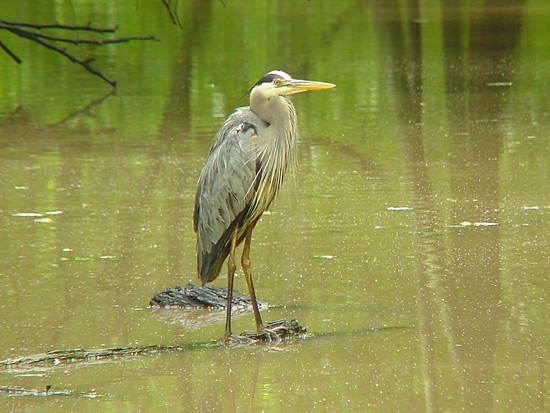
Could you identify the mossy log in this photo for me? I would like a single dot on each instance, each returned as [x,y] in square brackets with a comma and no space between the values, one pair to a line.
[194,297]
[194,307]
[47,391]
[281,330]
[62,358]
[277,331]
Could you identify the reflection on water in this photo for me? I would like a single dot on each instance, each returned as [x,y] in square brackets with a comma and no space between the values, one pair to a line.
[422,203]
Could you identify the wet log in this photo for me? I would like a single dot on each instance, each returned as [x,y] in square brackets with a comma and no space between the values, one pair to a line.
[194,297]
[191,306]
[62,358]
[194,307]
[20,391]
[277,331]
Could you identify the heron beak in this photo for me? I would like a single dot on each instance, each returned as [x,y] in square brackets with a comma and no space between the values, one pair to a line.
[299,86]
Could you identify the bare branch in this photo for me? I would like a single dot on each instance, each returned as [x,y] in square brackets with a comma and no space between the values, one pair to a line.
[10,53]
[173,14]
[23,29]
[40,26]
[82,62]
[31,35]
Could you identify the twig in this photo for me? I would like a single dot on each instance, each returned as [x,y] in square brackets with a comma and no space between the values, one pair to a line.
[10,53]
[31,35]
[40,26]
[23,29]
[82,62]
[173,14]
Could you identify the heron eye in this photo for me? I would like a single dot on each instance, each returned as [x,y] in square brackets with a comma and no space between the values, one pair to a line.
[277,82]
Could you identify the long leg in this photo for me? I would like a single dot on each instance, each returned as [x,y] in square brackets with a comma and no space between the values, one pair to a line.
[230,276]
[245,261]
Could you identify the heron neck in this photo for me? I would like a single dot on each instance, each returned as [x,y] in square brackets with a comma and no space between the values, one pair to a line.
[276,147]
[278,112]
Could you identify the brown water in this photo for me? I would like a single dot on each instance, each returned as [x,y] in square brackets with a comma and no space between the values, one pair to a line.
[414,243]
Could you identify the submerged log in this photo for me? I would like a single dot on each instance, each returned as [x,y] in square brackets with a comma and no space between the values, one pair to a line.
[277,331]
[281,330]
[62,358]
[194,307]
[194,297]
[47,391]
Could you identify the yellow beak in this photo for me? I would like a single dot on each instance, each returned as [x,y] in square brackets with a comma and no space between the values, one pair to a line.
[298,86]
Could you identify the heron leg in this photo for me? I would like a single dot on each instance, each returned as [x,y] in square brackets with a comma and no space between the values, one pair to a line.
[245,262]
[231,266]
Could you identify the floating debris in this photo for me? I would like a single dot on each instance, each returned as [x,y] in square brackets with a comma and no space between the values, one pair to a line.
[499,84]
[76,258]
[35,214]
[19,391]
[45,220]
[325,257]
[474,224]
[323,196]
[27,214]
[53,213]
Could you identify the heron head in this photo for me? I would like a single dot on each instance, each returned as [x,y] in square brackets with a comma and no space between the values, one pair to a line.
[279,83]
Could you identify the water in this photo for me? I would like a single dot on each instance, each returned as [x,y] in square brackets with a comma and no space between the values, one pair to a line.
[413,242]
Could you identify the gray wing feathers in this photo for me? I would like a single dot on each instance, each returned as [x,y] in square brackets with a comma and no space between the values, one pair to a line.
[224,191]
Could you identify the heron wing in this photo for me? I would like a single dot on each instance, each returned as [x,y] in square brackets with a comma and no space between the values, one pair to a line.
[225,190]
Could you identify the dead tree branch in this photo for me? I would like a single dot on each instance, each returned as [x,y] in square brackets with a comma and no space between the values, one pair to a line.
[10,53]
[33,32]
[172,13]
[40,26]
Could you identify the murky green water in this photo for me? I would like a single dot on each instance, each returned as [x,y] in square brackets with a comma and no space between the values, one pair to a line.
[422,201]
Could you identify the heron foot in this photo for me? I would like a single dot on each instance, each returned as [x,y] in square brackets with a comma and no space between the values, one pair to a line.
[237,341]
[273,333]
[269,334]
[276,331]
[250,338]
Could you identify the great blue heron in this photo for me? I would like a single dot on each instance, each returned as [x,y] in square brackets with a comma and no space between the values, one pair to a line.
[242,175]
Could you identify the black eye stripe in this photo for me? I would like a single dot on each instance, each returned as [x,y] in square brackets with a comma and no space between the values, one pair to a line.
[267,79]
